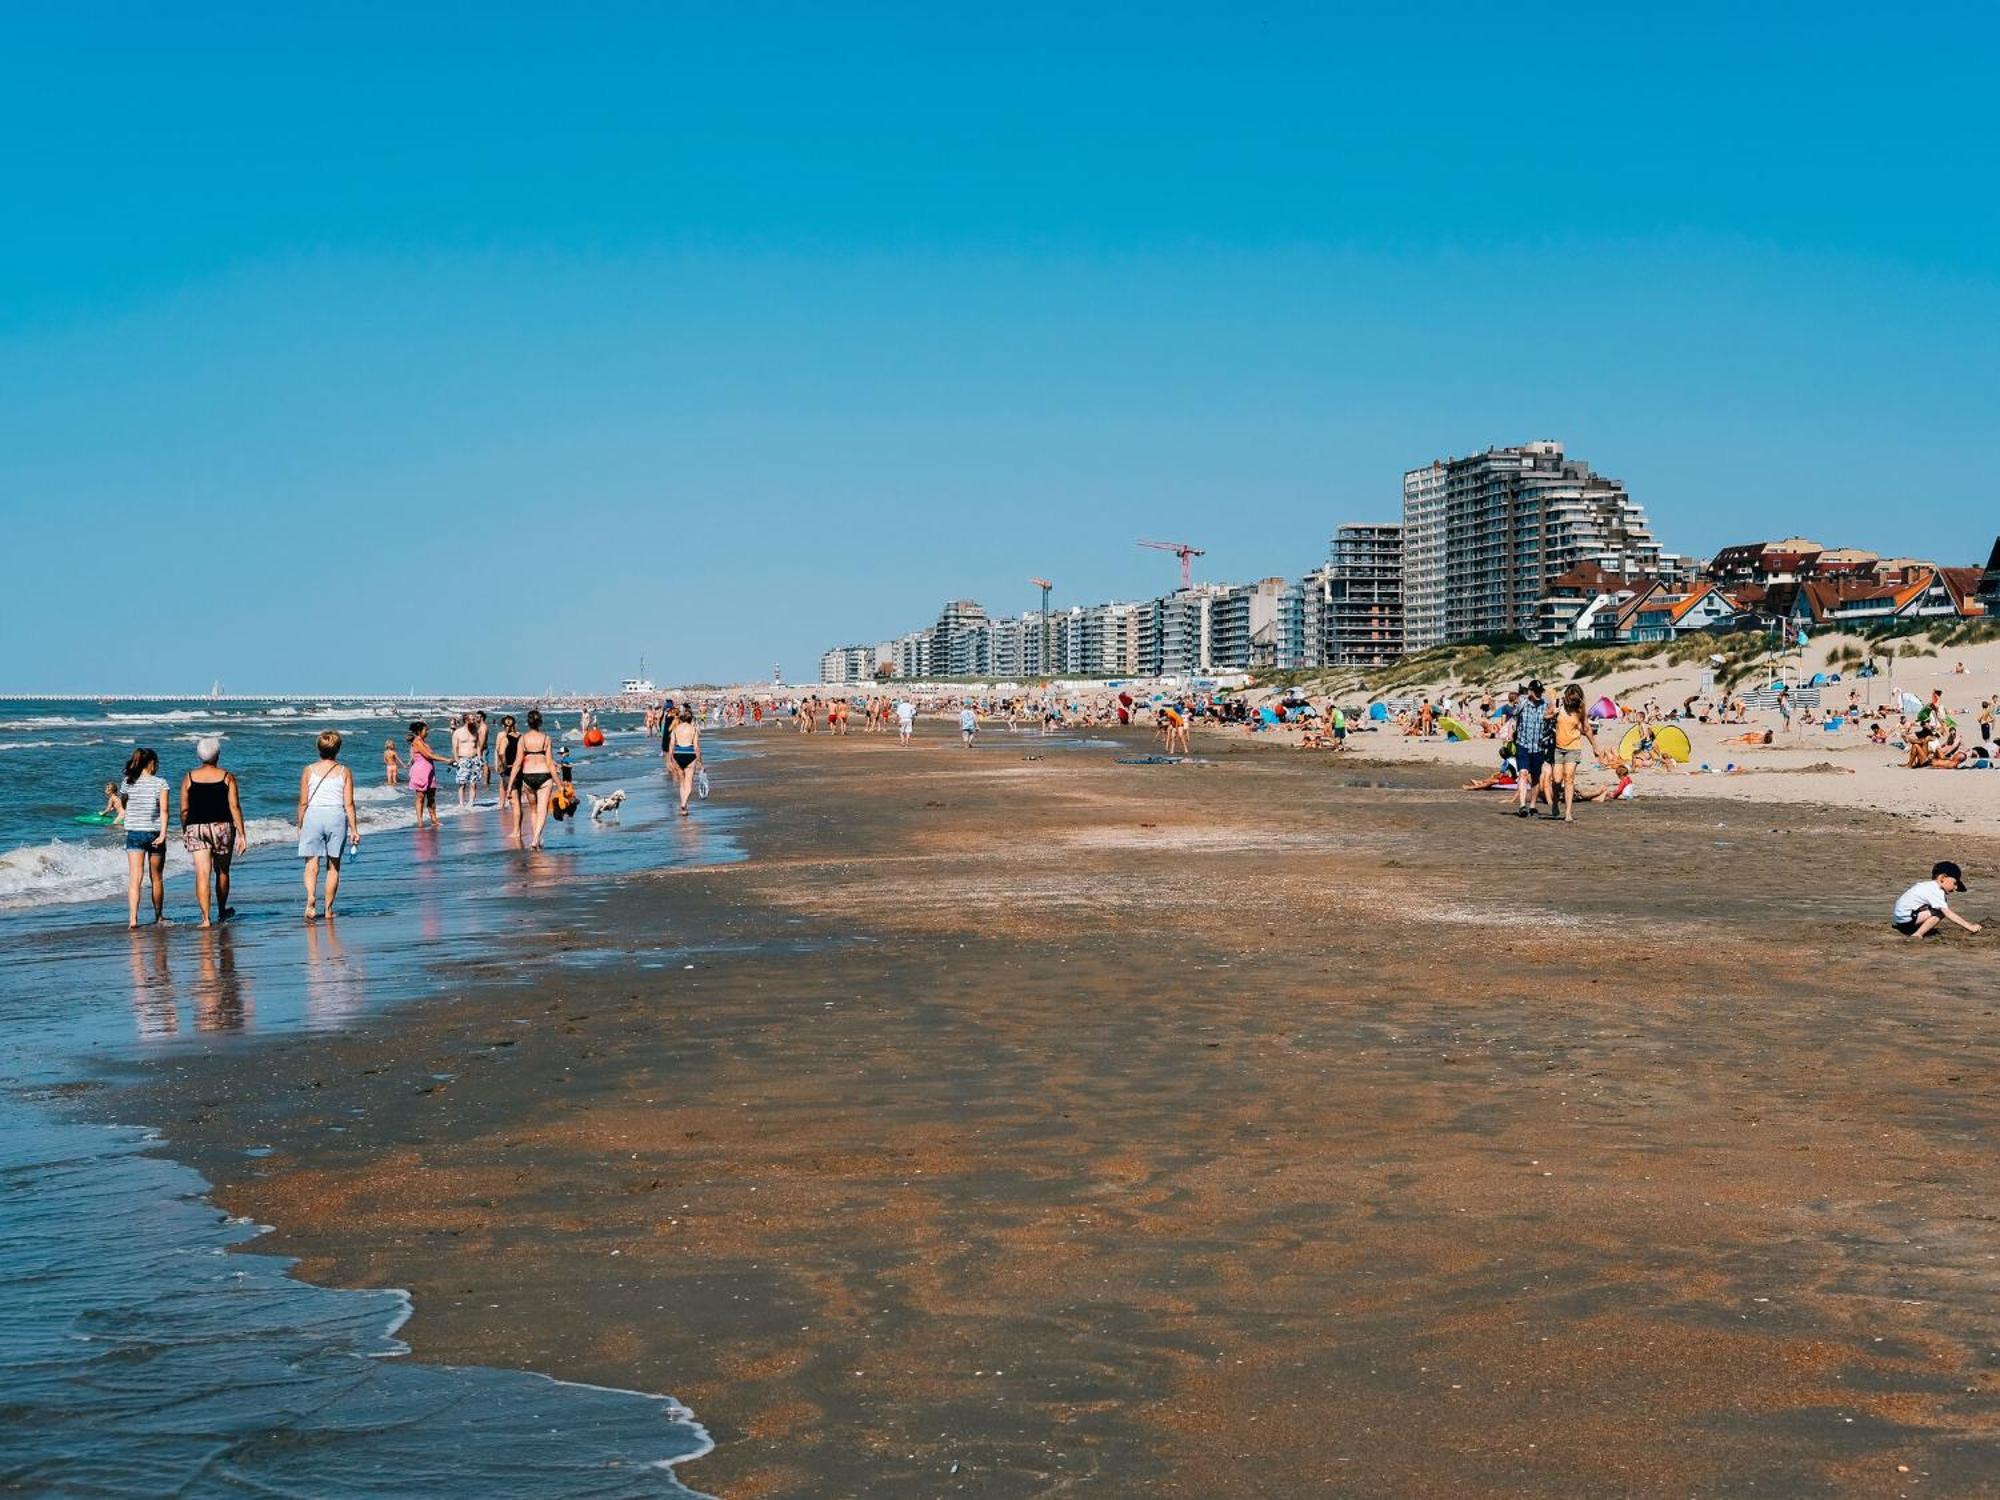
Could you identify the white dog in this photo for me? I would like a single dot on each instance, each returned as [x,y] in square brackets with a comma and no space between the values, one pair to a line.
[599,806]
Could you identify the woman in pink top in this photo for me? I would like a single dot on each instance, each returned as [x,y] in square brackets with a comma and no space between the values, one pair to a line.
[423,772]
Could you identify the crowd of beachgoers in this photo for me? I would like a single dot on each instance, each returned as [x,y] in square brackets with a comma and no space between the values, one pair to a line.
[1550,749]
[480,751]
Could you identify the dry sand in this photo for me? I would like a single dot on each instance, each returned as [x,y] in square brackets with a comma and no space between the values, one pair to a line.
[1807,766]
[1278,1127]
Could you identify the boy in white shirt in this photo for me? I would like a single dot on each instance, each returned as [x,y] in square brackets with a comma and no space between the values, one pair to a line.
[1924,905]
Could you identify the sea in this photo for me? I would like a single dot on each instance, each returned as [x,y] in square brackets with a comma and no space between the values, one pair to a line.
[146,1347]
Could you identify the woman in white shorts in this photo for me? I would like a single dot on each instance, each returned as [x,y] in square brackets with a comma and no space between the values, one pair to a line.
[327,825]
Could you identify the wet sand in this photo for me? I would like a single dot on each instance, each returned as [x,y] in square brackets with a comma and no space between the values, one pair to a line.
[1280,1126]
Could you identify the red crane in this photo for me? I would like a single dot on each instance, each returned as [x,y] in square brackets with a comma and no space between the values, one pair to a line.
[1184,550]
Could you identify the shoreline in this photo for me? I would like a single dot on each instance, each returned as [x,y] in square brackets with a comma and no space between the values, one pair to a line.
[1026,1122]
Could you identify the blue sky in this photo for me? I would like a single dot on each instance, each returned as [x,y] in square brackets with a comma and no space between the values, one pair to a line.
[490,347]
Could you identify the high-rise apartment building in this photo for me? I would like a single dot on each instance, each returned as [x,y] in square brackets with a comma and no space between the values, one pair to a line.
[1174,632]
[1364,616]
[1423,557]
[845,664]
[1485,536]
[961,641]
[1243,625]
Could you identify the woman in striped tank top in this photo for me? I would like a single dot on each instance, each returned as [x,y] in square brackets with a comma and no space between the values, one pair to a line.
[145,797]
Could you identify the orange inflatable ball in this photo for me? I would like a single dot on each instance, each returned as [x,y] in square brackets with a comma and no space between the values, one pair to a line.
[593,736]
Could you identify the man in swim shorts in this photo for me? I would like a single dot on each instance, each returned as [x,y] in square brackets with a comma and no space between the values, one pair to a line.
[465,758]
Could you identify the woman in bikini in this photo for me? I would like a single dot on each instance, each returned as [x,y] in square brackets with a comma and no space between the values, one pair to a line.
[533,775]
[506,747]
[684,755]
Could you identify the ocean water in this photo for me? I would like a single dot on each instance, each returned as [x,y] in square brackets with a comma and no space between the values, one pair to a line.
[143,1351]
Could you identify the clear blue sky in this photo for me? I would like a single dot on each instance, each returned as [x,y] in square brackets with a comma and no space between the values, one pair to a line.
[492,346]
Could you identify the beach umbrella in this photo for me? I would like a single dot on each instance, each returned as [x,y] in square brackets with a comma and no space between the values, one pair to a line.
[1910,703]
[1453,730]
[1604,708]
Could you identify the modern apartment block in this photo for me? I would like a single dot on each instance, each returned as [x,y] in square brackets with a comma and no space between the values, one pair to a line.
[1015,648]
[1243,625]
[912,658]
[961,641]
[1174,632]
[1363,618]
[1301,621]
[1099,640]
[1423,557]
[1479,557]
[845,664]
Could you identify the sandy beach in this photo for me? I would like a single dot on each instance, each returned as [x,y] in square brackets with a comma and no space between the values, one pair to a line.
[1803,767]
[1016,1122]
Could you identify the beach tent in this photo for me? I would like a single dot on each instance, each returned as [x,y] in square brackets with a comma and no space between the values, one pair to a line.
[1379,712]
[1268,714]
[1453,730]
[1604,708]
[1818,680]
[1910,704]
[1671,741]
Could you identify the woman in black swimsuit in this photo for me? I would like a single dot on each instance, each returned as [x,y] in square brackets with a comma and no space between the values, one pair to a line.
[506,747]
[533,775]
[684,753]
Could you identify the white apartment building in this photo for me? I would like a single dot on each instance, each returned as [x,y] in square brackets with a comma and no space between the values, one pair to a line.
[961,641]
[1174,639]
[1423,557]
[1509,522]
[1243,625]
[912,655]
[1015,646]
[845,664]
[1099,640]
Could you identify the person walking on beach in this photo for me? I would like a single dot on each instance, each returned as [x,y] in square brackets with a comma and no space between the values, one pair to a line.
[465,759]
[968,724]
[484,731]
[684,759]
[906,720]
[1573,732]
[506,745]
[145,833]
[1531,732]
[534,775]
[212,828]
[328,826]
[424,763]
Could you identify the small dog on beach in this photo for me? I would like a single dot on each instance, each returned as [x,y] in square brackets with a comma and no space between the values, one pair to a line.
[599,806]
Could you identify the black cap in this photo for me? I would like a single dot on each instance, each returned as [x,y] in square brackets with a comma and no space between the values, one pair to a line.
[1945,867]
[1534,684]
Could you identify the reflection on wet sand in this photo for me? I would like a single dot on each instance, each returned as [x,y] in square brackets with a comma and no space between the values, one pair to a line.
[335,986]
[221,1002]
[153,1001]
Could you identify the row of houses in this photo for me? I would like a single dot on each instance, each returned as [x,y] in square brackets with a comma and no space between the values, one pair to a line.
[1793,583]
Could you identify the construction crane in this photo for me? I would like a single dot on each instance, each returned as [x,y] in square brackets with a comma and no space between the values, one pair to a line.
[1185,551]
[1044,585]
